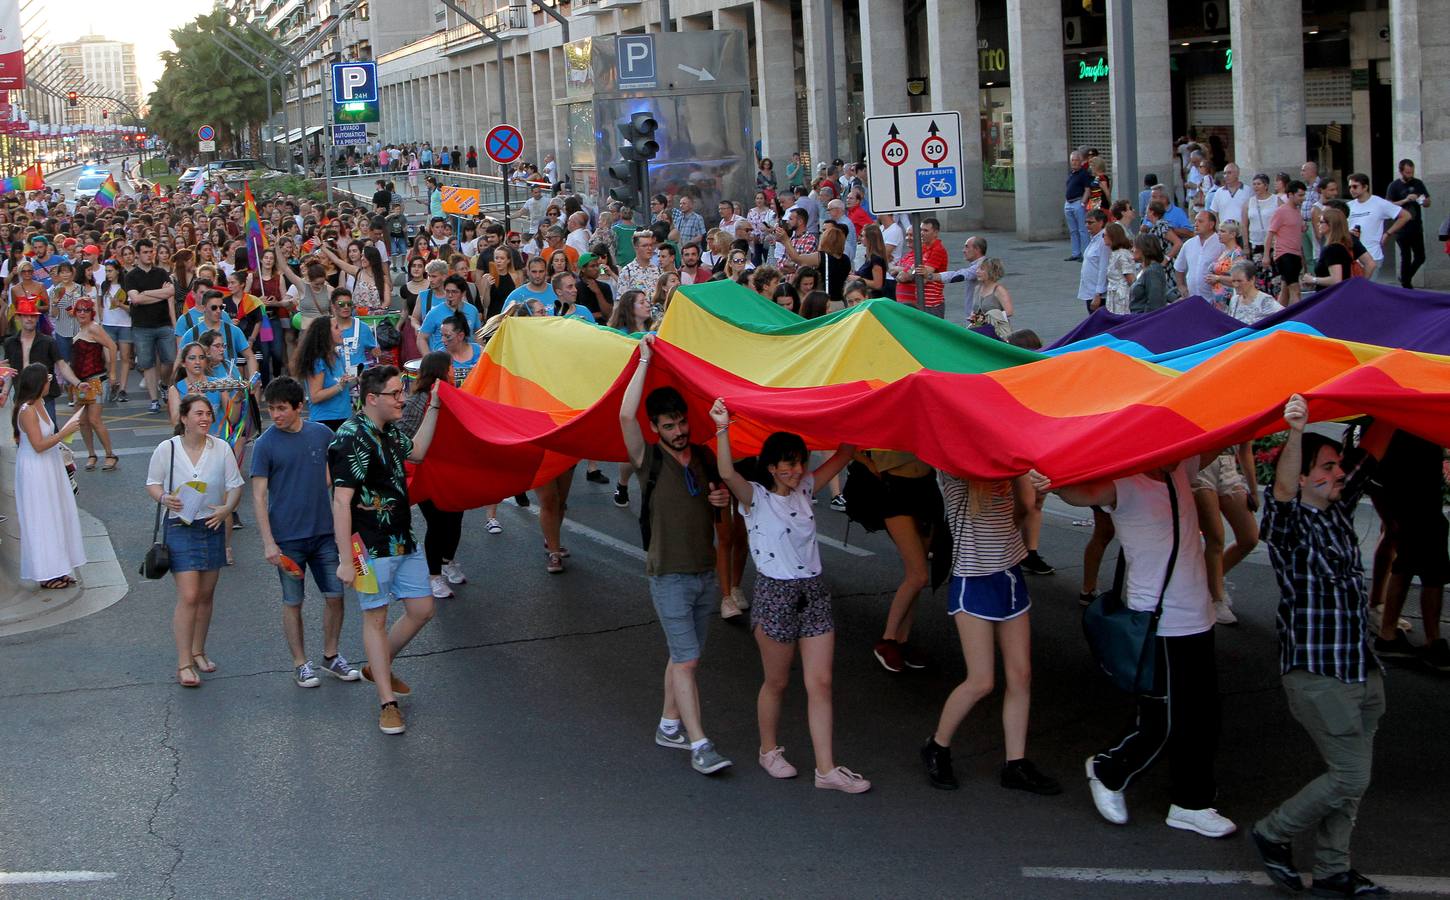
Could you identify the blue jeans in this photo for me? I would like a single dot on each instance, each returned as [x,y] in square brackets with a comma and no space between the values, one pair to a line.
[1076,216]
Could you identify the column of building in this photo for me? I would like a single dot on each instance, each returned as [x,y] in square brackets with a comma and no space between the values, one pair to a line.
[823,94]
[1039,121]
[954,81]
[545,138]
[1268,86]
[1420,58]
[1151,107]
[775,77]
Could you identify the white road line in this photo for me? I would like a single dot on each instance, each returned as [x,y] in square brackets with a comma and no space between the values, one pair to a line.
[1409,884]
[595,534]
[844,548]
[53,877]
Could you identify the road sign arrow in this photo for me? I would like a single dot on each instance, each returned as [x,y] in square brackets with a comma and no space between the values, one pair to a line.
[896,132]
[702,74]
[931,129]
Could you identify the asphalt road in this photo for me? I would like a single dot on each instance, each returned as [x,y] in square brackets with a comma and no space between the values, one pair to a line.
[529,766]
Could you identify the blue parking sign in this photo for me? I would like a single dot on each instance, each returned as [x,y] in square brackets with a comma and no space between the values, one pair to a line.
[354,82]
[936,184]
[636,60]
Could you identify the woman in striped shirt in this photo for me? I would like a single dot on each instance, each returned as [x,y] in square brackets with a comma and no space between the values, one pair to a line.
[988,600]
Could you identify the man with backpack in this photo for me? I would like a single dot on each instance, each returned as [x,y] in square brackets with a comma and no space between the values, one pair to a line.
[681,491]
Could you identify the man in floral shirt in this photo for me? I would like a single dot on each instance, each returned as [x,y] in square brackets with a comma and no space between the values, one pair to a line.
[370,509]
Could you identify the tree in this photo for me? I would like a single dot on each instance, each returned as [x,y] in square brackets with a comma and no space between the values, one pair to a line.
[203,84]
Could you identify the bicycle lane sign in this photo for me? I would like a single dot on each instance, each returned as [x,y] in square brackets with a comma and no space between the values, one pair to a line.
[923,150]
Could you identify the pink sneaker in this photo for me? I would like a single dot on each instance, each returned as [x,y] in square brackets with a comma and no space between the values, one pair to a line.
[775,763]
[842,779]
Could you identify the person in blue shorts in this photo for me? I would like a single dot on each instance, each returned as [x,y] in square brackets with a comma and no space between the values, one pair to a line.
[370,509]
[294,516]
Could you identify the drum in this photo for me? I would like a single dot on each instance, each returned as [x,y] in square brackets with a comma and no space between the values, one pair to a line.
[410,373]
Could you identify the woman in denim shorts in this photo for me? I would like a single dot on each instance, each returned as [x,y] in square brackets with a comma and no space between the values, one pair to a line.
[792,604]
[204,463]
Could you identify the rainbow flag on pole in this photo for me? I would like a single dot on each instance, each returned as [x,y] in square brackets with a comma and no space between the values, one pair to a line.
[32,179]
[252,226]
[108,192]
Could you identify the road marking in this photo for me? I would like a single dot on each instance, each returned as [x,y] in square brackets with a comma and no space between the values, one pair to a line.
[595,534]
[1409,884]
[53,877]
[845,548]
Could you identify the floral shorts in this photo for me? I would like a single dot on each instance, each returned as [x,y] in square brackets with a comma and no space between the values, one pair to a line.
[791,609]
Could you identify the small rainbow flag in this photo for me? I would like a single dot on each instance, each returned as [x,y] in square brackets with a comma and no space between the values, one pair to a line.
[156,189]
[32,179]
[252,225]
[108,192]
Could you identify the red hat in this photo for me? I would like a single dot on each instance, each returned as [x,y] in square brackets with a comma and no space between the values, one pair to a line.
[25,306]
[91,248]
[69,242]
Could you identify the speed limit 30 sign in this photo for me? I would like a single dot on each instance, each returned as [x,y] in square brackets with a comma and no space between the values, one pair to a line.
[915,162]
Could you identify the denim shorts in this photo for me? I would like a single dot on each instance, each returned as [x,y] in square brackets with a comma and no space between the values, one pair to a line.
[121,334]
[319,554]
[62,346]
[399,578]
[685,604]
[195,547]
[154,346]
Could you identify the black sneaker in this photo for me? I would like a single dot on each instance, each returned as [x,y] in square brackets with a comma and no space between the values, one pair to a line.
[621,496]
[123,397]
[1348,883]
[838,503]
[1086,598]
[1436,655]
[597,477]
[938,762]
[522,500]
[1278,861]
[1022,775]
[1036,565]
[912,657]
[1398,647]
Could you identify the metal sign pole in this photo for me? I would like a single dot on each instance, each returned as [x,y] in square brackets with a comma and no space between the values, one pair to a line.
[331,148]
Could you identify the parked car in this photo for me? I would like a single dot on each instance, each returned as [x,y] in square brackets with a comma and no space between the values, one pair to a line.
[87,185]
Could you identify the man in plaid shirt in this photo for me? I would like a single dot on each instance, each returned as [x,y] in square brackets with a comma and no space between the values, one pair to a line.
[1327,664]
[689,224]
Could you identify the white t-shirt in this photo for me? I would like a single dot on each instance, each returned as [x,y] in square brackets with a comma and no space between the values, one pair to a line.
[1369,216]
[1195,260]
[1229,205]
[1141,515]
[894,235]
[110,316]
[1259,212]
[782,532]
[214,474]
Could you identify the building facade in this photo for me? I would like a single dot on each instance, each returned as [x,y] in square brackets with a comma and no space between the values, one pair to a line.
[1267,85]
[110,66]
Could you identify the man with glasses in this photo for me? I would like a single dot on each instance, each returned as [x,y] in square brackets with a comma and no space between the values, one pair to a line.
[373,526]
[214,318]
[455,294]
[681,492]
[640,273]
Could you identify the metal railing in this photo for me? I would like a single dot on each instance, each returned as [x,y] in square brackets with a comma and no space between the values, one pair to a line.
[490,187]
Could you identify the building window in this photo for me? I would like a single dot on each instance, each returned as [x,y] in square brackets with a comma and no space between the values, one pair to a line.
[997,170]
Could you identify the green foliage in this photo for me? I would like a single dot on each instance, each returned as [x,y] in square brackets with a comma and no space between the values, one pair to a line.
[291,185]
[205,85]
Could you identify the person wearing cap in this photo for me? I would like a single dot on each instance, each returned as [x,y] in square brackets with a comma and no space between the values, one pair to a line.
[594,295]
[90,253]
[28,346]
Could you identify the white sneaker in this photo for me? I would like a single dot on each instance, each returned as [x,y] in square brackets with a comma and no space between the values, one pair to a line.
[1110,804]
[493,527]
[1223,612]
[454,573]
[728,609]
[439,586]
[742,599]
[1206,822]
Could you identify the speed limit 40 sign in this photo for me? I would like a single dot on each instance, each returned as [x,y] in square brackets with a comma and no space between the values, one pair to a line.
[915,162]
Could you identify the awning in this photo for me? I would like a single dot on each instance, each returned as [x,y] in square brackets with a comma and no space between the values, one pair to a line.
[295,135]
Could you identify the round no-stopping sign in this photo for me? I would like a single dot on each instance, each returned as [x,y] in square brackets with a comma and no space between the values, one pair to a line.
[934,149]
[894,152]
[205,133]
[503,144]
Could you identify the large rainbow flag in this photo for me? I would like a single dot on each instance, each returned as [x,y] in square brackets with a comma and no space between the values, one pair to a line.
[547,392]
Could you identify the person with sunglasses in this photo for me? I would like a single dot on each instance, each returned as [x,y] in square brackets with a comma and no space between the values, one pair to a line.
[372,521]
[214,318]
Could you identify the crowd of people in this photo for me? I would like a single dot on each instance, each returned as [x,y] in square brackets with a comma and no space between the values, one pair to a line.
[308,372]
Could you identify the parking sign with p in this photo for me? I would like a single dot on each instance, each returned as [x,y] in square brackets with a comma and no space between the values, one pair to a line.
[354,82]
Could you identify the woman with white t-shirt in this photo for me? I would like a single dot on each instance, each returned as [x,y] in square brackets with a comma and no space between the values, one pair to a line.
[1259,209]
[1179,716]
[792,604]
[191,463]
[987,599]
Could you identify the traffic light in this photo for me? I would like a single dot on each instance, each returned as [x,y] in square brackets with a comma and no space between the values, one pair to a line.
[637,147]
[71,97]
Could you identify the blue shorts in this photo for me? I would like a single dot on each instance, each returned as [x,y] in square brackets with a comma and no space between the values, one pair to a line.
[318,554]
[121,334]
[996,597]
[195,547]
[399,578]
[685,604]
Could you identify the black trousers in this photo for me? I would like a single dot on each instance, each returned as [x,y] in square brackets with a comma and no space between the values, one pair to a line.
[1180,718]
[1411,241]
[445,530]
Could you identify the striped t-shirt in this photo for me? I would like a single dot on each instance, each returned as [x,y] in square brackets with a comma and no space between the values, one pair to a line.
[989,542]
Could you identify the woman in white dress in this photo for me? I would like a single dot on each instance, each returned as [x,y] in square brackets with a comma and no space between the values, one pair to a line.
[50,527]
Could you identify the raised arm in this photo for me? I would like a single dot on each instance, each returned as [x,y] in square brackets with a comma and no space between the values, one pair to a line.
[1286,470]
[1098,493]
[833,466]
[733,479]
[629,407]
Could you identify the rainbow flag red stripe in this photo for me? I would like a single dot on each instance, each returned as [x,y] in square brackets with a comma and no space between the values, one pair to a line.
[252,226]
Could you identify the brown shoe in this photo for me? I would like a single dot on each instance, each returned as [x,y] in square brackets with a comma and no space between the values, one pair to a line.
[390,720]
[400,687]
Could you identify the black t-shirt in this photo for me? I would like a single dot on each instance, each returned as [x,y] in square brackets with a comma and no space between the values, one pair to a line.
[148,315]
[1333,255]
[43,350]
[1399,189]
[590,300]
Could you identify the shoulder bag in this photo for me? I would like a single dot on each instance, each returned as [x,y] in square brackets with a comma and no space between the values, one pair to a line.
[157,561]
[1122,639]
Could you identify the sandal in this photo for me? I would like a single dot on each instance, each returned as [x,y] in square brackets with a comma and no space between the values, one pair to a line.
[91,462]
[56,584]
[111,463]
[203,663]
[196,679]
